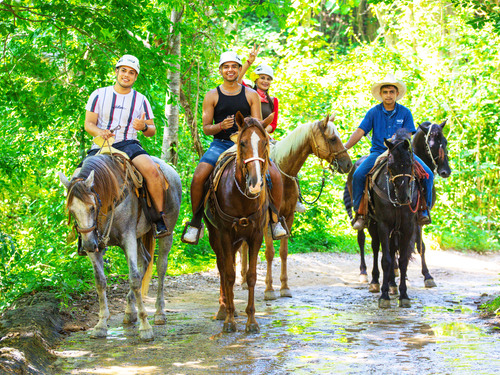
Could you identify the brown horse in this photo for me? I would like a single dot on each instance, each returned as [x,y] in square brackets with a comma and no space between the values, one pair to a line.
[322,139]
[236,212]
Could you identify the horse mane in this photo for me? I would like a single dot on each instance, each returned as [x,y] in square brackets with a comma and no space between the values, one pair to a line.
[106,181]
[295,140]
[402,134]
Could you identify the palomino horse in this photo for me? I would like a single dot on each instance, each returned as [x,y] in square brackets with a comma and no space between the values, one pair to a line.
[320,138]
[236,212]
[102,200]
[429,143]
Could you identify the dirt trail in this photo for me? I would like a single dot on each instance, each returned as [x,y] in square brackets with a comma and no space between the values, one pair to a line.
[331,325]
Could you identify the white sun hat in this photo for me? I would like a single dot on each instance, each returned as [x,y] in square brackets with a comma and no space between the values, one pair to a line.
[129,60]
[229,56]
[264,69]
[389,79]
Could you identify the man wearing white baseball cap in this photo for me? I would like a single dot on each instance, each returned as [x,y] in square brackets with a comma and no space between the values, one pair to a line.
[383,120]
[219,107]
[120,112]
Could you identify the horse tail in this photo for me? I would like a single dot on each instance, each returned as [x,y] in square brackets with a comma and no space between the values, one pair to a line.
[348,201]
[149,243]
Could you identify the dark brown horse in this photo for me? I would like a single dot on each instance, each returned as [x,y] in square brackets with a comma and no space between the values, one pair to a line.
[236,212]
[322,139]
[430,144]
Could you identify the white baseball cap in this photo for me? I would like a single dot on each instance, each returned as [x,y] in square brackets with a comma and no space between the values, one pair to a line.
[229,56]
[264,69]
[129,60]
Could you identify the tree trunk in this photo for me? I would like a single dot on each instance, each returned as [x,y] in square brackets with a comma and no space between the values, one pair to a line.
[192,123]
[170,134]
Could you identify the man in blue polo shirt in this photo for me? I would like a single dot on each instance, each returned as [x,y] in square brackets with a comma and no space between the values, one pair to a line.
[383,120]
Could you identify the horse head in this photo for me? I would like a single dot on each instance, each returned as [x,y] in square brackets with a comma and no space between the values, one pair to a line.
[90,193]
[329,146]
[400,166]
[252,151]
[84,205]
[436,147]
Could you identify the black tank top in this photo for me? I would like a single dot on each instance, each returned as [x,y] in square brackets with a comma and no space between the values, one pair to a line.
[227,106]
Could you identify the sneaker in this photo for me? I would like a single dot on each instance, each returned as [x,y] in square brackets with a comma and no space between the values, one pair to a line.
[278,231]
[299,207]
[424,217]
[358,222]
[161,229]
[192,234]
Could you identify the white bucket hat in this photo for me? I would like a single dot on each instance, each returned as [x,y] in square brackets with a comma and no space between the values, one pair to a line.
[389,79]
[229,56]
[264,69]
[129,60]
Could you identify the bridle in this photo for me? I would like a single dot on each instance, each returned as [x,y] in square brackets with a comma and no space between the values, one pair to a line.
[249,160]
[441,154]
[390,178]
[334,165]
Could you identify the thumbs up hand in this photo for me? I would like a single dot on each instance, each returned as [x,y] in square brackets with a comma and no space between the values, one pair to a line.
[140,123]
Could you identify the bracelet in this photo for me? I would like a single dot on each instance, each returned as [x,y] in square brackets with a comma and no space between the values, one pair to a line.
[145,128]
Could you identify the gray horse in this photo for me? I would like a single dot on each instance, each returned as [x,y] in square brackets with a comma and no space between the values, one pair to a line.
[102,200]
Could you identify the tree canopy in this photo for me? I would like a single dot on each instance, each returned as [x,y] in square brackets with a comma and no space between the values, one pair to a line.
[326,55]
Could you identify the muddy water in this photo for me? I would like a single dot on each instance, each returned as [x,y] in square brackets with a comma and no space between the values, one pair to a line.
[332,325]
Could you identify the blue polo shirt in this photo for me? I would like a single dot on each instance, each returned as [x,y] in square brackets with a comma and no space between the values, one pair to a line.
[384,124]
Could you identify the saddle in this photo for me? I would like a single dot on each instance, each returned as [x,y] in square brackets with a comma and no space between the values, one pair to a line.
[370,186]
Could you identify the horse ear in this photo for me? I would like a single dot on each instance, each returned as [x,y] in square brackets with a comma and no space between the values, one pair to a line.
[443,123]
[239,119]
[388,144]
[64,180]
[424,126]
[268,120]
[325,122]
[89,182]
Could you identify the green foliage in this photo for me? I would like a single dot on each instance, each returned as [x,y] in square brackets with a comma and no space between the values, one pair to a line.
[326,55]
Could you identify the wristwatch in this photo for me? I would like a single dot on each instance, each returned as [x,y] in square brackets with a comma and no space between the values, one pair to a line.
[145,128]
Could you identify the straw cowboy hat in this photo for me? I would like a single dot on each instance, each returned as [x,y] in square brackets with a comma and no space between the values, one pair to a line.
[389,79]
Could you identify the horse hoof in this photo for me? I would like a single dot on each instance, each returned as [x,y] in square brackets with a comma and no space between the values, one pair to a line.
[286,293]
[374,288]
[252,328]
[429,283]
[384,303]
[404,303]
[363,279]
[160,319]
[221,314]
[244,286]
[146,334]
[229,327]
[269,295]
[393,290]
[129,318]
[98,333]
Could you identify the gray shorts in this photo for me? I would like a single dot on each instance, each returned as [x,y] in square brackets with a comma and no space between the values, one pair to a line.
[131,147]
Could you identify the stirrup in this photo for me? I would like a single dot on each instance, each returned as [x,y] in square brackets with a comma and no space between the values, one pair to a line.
[160,228]
[285,233]
[189,228]
[359,222]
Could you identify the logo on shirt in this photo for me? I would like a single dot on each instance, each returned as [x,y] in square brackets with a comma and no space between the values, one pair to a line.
[121,107]
[399,121]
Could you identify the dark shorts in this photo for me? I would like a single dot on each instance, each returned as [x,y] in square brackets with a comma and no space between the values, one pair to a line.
[131,147]
[217,147]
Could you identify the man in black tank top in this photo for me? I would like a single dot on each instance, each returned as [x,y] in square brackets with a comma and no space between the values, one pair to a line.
[219,107]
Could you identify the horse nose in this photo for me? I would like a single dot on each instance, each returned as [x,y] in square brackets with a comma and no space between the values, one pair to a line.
[444,173]
[90,244]
[255,188]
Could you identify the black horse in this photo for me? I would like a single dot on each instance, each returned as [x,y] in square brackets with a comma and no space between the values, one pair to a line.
[393,219]
[430,144]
